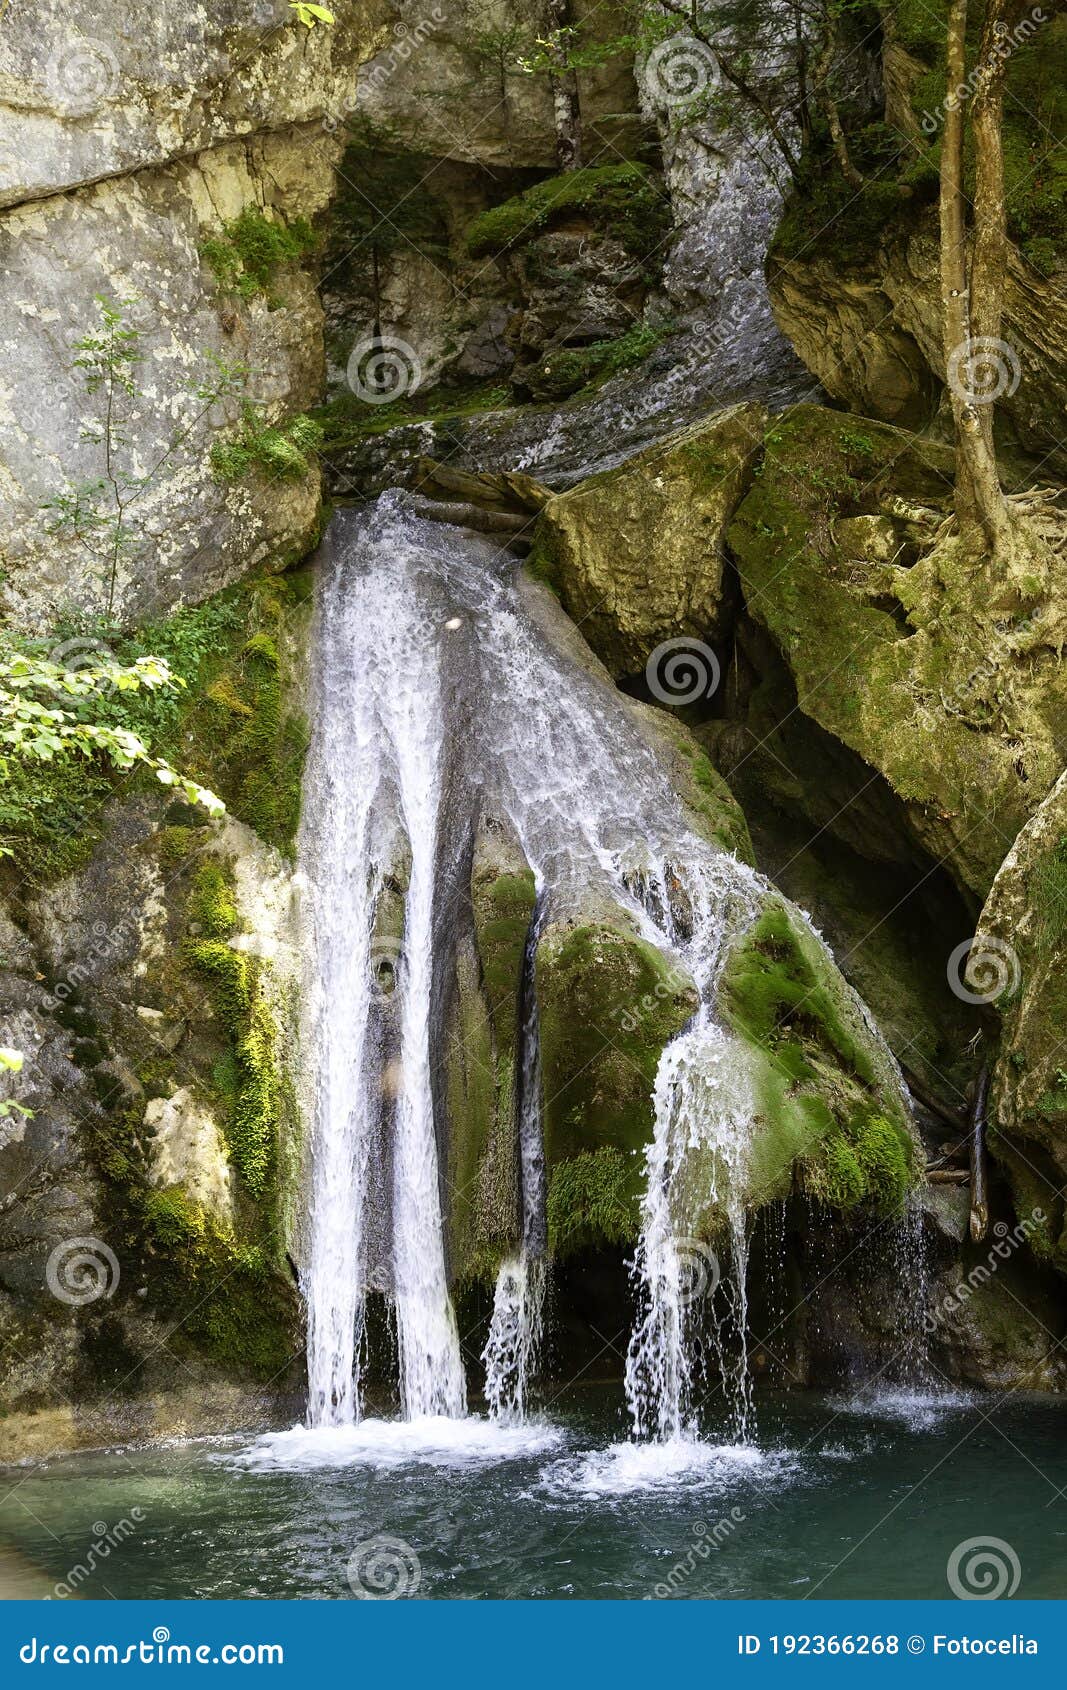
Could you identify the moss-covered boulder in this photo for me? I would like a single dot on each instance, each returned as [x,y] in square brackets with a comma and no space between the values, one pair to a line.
[944,676]
[829,1110]
[609,1004]
[1021,948]
[484,1209]
[624,200]
[636,554]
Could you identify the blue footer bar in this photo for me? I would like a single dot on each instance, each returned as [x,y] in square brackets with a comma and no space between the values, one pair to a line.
[543,1645]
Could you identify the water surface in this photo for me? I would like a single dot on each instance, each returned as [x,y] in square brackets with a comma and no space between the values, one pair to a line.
[835,1497]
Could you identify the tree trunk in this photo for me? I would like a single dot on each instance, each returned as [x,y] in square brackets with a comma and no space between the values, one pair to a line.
[979,1219]
[566,104]
[821,71]
[967,305]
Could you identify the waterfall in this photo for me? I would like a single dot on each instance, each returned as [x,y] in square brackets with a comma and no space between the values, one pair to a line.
[446,690]
[703,1118]
[374,779]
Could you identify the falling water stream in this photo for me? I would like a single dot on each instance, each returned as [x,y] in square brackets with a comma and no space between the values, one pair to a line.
[448,691]
[439,695]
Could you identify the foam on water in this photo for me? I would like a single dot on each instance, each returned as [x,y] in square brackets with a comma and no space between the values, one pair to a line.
[434,1440]
[627,1469]
[916,1409]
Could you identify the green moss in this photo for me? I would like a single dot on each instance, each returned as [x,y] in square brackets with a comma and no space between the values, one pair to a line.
[232,1305]
[236,730]
[623,200]
[609,1003]
[779,991]
[250,1085]
[251,250]
[504,908]
[347,420]
[211,901]
[276,451]
[228,724]
[592,1201]
[867,1162]
[571,369]
[483,1166]
[823,1103]
[903,185]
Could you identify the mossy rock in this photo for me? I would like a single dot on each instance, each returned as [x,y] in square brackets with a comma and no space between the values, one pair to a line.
[1021,944]
[484,1218]
[636,555]
[233,722]
[609,1004]
[942,675]
[624,200]
[829,1111]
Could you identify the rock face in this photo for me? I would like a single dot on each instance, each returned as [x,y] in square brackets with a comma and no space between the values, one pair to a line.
[89,91]
[871,332]
[637,554]
[953,692]
[1019,963]
[92,91]
[483,1172]
[138,242]
[133,151]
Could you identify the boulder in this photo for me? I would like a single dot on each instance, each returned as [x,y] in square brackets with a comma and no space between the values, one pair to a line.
[637,554]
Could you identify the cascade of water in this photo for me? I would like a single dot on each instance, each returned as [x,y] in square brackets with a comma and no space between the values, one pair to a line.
[338,834]
[431,1370]
[373,767]
[515,1333]
[443,694]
